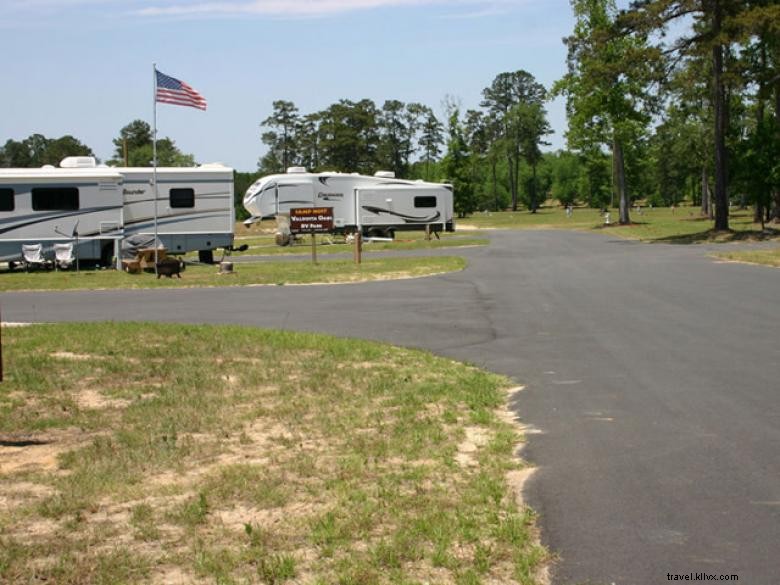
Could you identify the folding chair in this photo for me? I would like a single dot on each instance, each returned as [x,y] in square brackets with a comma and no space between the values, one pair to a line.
[32,257]
[63,255]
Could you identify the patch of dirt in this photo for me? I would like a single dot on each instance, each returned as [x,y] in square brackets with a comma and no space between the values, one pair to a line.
[476,438]
[236,518]
[14,495]
[170,575]
[38,451]
[92,399]
[469,227]
[68,355]
[33,531]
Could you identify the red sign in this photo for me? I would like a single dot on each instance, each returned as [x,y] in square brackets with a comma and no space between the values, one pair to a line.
[311,220]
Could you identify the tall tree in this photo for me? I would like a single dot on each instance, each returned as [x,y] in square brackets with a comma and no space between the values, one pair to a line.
[134,146]
[431,138]
[606,88]
[283,121]
[716,26]
[507,91]
[531,122]
[393,137]
[456,166]
[349,136]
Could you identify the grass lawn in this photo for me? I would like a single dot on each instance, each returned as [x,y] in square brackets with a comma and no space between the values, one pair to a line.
[326,271]
[765,257]
[260,239]
[683,225]
[147,453]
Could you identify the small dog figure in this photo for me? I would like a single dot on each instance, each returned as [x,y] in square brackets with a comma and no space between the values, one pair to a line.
[170,266]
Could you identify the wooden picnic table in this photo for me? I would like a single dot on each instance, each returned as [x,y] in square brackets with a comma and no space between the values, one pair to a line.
[144,259]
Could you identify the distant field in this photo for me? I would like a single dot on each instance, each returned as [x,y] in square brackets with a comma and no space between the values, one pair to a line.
[147,453]
[279,273]
[683,225]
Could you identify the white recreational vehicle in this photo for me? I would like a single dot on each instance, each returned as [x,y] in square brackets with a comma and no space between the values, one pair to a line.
[378,205]
[194,206]
[100,206]
[54,205]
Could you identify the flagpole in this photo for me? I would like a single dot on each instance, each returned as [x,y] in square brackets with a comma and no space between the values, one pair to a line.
[154,161]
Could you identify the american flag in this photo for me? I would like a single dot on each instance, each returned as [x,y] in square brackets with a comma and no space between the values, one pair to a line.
[178,93]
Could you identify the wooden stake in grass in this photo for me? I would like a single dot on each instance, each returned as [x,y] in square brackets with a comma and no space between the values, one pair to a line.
[358,247]
[313,248]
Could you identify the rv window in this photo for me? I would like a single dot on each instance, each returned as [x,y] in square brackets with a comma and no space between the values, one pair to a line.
[6,199]
[427,201]
[182,197]
[55,199]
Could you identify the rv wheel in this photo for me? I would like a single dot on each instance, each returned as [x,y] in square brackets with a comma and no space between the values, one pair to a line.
[206,256]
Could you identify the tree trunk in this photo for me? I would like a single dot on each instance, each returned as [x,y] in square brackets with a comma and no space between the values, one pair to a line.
[534,204]
[620,180]
[512,182]
[758,208]
[721,115]
[705,194]
[493,164]
[775,205]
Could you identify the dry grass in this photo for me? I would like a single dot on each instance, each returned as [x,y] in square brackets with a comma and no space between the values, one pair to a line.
[164,454]
[762,257]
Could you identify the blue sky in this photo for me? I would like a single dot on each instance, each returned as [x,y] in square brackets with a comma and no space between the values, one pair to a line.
[84,67]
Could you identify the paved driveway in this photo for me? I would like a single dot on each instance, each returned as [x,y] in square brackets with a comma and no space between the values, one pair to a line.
[651,374]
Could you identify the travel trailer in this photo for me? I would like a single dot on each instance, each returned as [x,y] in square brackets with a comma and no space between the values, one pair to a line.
[55,205]
[194,207]
[378,205]
[96,207]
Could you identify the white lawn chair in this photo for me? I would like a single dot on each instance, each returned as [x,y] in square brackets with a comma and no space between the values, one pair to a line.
[32,257]
[63,255]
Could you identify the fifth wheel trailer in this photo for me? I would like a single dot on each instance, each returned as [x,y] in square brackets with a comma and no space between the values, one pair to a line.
[373,205]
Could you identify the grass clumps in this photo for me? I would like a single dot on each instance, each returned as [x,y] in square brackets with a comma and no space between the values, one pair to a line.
[229,454]
[245,274]
[680,225]
[764,257]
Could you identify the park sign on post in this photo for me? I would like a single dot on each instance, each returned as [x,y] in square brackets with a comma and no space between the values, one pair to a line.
[311,220]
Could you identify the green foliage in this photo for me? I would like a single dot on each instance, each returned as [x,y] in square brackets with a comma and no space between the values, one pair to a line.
[606,88]
[242,182]
[37,150]
[456,167]
[518,122]
[133,147]
[566,173]
[353,137]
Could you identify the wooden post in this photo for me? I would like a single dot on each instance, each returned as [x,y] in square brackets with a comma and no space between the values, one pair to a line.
[358,247]
[1,349]
[313,248]
[427,232]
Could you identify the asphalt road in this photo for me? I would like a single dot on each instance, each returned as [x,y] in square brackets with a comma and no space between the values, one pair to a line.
[651,376]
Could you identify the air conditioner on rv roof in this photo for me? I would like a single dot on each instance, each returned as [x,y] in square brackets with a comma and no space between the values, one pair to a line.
[78,162]
[385,174]
[296,170]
